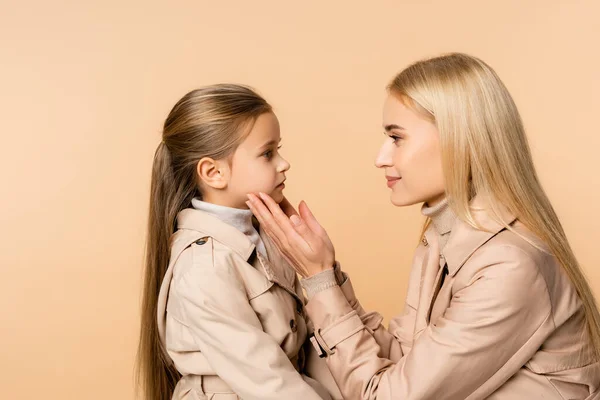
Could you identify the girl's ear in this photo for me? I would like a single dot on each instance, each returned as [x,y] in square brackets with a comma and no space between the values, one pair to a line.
[213,173]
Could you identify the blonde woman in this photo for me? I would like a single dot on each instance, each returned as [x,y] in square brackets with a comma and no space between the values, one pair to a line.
[497,305]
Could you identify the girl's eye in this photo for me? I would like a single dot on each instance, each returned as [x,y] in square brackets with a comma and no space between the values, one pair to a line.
[269,153]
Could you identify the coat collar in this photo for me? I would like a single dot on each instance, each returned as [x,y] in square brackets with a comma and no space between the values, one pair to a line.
[276,268]
[465,239]
[222,232]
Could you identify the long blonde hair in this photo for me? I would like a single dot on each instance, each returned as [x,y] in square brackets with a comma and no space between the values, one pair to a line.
[485,153]
[208,122]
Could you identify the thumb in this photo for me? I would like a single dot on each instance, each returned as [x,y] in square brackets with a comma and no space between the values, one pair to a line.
[310,219]
[307,234]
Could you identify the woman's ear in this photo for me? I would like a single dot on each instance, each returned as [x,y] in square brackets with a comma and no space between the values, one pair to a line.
[213,173]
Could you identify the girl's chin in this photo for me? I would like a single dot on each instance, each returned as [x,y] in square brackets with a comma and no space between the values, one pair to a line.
[277,196]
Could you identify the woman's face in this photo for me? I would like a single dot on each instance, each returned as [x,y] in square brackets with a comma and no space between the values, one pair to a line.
[410,156]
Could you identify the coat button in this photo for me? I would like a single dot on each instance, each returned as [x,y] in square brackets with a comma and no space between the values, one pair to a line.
[425,243]
[293,325]
[201,241]
[299,307]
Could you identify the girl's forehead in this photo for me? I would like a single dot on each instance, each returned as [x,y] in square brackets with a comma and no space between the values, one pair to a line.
[265,129]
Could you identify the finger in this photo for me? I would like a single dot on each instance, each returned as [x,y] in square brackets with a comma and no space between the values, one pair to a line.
[276,235]
[291,225]
[310,220]
[278,227]
[277,213]
[290,257]
[265,219]
[296,244]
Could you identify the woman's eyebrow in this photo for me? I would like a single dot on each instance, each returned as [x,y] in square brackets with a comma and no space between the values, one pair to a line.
[392,127]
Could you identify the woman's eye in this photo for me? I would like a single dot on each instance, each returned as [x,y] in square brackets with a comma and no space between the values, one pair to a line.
[396,139]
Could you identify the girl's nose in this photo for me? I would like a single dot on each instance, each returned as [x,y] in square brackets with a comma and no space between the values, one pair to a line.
[283,166]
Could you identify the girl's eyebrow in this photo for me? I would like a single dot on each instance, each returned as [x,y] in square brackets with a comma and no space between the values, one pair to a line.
[270,143]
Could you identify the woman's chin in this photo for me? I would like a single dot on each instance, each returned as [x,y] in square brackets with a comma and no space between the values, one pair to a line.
[400,200]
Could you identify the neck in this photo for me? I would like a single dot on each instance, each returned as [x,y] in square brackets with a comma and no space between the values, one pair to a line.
[241,219]
[222,199]
[442,218]
[436,200]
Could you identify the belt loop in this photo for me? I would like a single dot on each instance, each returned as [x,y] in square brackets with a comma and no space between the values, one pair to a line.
[324,346]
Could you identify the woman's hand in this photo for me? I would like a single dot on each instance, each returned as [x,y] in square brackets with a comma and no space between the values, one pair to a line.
[299,237]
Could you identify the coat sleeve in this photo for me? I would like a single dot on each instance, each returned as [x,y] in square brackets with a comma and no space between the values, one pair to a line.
[391,345]
[481,335]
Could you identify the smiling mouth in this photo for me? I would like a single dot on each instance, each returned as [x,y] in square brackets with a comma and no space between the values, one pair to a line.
[391,181]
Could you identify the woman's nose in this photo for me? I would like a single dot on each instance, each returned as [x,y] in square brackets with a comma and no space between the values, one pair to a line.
[384,157]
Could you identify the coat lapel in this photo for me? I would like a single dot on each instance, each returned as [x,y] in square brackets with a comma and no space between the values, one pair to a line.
[463,242]
[276,267]
[429,277]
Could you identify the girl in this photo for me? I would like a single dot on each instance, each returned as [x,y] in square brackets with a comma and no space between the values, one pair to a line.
[497,305]
[223,316]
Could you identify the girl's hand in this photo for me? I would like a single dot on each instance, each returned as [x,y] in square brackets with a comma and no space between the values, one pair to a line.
[299,237]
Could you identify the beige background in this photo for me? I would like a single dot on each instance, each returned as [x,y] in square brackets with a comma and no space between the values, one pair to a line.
[85,87]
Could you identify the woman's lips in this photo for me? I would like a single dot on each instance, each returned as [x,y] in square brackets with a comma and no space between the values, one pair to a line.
[391,180]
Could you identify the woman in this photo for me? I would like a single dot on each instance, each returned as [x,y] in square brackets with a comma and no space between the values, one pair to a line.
[497,305]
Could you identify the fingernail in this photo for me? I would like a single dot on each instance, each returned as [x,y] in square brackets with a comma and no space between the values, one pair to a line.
[261,194]
[295,220]
[248,204]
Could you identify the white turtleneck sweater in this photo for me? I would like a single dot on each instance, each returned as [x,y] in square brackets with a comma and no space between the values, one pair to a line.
[242,220]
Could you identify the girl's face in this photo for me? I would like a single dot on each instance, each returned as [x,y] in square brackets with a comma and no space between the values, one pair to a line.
[257,165]
[410,156]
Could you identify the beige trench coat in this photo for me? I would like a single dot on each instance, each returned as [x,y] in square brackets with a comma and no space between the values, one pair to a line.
[234,323]
[506,324]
